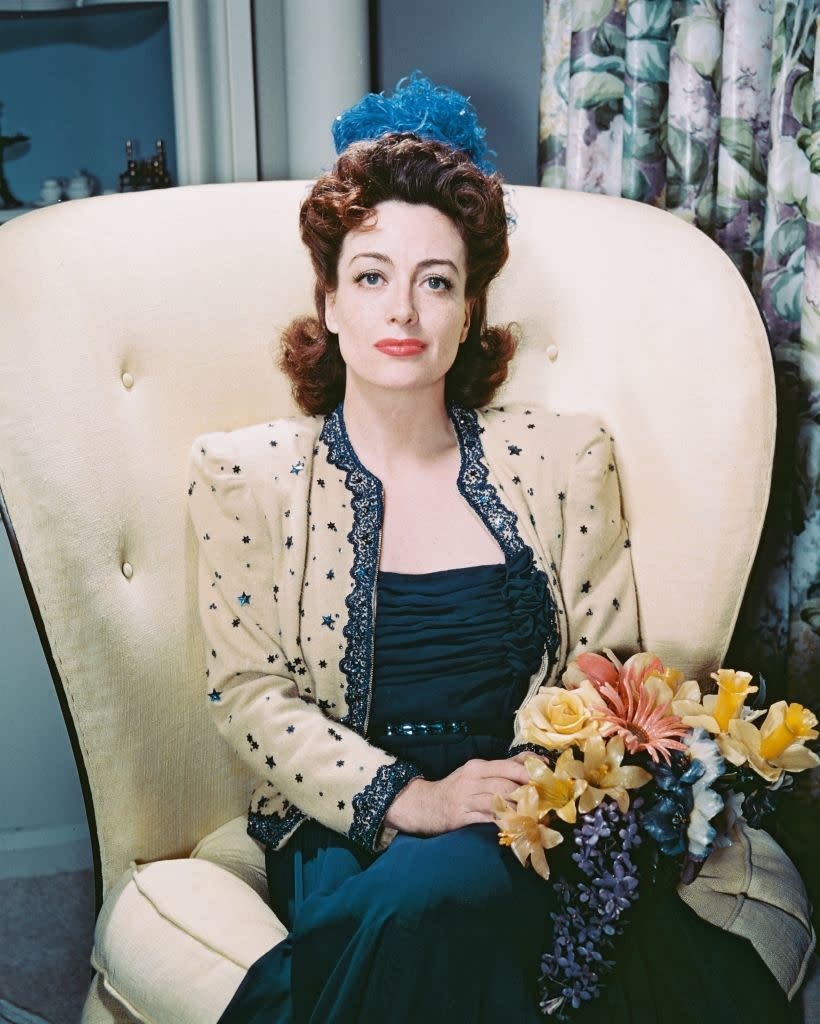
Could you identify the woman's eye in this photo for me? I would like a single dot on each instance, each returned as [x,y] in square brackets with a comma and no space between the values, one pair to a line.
[438,284]
[369,277]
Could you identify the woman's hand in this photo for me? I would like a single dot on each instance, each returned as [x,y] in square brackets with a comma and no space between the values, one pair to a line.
[465,797]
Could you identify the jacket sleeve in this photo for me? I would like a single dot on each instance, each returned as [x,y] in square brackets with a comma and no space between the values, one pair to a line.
[595,569]
[305,758]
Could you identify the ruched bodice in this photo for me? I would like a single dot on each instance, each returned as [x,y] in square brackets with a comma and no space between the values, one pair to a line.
[454,651]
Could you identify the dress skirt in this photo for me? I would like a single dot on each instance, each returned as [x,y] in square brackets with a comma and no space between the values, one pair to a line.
[450,929]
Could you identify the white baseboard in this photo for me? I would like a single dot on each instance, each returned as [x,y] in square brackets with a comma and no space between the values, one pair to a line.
[44,851]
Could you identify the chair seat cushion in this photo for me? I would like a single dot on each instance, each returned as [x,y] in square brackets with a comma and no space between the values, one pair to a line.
[175,938]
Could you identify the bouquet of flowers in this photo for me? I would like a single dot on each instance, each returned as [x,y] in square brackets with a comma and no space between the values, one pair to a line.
[700,760]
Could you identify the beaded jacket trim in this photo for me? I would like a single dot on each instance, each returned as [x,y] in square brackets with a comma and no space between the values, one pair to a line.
[271,829]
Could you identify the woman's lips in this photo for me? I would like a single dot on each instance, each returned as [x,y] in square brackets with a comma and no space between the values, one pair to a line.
[401,346]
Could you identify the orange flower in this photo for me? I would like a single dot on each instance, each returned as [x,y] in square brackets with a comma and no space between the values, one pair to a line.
[634,714]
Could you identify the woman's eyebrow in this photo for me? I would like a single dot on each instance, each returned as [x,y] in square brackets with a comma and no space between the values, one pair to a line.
[421,265]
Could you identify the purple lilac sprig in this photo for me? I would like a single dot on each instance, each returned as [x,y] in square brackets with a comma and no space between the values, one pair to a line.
[592,911]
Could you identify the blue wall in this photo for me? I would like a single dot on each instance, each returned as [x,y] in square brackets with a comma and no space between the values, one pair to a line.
[81,83]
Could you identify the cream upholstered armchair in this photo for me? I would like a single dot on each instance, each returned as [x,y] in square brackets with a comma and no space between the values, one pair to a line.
[133,323]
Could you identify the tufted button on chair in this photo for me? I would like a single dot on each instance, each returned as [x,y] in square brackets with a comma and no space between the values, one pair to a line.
[132,324]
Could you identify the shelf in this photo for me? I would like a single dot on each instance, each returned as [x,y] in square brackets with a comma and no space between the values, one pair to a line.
[16,212]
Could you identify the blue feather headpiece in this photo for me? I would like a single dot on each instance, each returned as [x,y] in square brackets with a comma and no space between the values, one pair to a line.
[418,106]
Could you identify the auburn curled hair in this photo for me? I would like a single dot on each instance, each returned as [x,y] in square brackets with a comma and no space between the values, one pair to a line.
[407,168]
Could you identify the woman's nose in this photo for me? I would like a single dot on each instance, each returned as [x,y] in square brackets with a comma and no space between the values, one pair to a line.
[402,308]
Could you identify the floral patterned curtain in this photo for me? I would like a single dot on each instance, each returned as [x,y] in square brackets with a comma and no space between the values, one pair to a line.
[711,109]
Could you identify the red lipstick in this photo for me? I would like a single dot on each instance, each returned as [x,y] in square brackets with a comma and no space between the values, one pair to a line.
[401,346]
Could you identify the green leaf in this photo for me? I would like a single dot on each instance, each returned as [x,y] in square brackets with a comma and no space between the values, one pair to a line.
[648,19]
[786,292]
[588,13]
[634,183]
[649,99]
[705,208]
[643,144]
[551,149]
[562,79]
[737,138]
[592,62]
[609,41]
[647,60]
[802,99]
[738,182]
[689,154]
[699,42]
[589,89]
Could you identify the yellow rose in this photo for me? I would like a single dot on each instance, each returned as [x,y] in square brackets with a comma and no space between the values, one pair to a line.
[556,718]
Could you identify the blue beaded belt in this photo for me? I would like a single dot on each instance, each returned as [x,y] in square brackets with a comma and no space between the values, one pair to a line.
[441,727]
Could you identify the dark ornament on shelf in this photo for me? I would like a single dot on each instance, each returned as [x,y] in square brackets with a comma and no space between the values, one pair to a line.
[8,201]
[145,174]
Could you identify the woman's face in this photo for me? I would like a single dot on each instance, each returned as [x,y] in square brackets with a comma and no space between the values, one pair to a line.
[399,308]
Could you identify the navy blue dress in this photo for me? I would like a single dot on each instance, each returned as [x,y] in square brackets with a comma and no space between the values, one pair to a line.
[451,928]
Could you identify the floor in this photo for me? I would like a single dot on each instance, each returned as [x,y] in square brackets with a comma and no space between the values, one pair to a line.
[46,929]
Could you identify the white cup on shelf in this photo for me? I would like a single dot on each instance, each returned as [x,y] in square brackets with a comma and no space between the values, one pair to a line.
[51,191]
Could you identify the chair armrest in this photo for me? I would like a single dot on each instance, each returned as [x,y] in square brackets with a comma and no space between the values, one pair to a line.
[175,938]
[232,848]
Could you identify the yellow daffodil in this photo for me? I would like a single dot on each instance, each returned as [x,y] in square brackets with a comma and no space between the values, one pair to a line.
[604,774]
[520,828]
[733,689]
[556,718]
[779,744]
[556,790]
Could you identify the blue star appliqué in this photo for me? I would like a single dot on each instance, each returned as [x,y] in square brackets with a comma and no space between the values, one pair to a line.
[244,598]
[327,620]
[297,467]
[513,449]
[214,696]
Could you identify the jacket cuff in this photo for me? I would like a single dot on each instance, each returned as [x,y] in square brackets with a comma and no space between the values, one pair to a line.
[530,748]
[370,805]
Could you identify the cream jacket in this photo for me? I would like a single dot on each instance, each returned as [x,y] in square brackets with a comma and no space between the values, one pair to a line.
[288,522]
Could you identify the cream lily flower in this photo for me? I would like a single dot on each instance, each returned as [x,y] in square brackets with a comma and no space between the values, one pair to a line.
[556,718]
[521,830]
[556,789]
[604,775]
[778,745]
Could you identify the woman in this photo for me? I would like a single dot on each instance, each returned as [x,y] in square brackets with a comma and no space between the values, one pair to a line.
[385,582]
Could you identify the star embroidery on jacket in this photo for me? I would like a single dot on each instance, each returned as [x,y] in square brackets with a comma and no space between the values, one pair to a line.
[215,696]
[269,761]
[513,449]
[320,482]
[331,575]
[291,728]
[246,539]
[627,543]
[235,623]
[206,536]
[191,489]
[212,607]
[331,526]
[244,598]
[585,587]
[530,426]
[297,468]
[323,663]
[561,495]
[584,529]
[327,620]
[274,444]
[616,604]
[583,640]
[289,542]
[252,742]
[272,658]
[341,805]
[298,776]
[237,469]
[516,479]
[340,764]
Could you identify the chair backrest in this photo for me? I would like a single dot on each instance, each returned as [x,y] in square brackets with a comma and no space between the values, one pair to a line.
[133,323]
